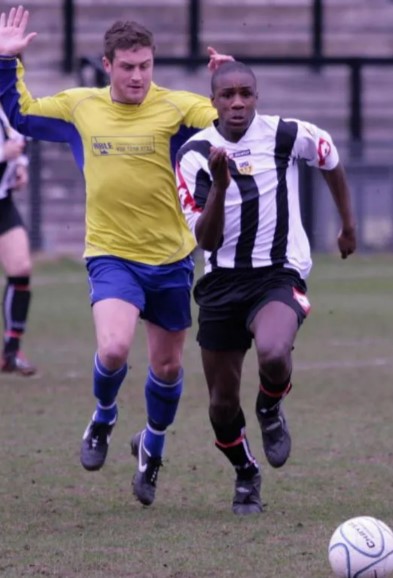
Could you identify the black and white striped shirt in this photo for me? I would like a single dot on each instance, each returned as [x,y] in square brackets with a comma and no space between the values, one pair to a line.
[8,168]
[263,225]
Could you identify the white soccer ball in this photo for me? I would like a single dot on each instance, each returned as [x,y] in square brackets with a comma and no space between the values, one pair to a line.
[362,547]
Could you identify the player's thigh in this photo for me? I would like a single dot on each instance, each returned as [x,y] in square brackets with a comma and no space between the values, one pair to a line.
[115,323]
[114,278]
[275,319]
[168,296]
[165,349]
[15,256]
[275,326]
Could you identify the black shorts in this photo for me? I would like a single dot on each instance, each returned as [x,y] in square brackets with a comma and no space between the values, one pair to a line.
[229,299]
[9,215]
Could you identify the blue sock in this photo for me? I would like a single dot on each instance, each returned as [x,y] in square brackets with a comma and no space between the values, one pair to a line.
[162,399]
[106,385]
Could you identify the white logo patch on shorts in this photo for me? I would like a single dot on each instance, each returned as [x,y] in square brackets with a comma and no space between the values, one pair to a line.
[302,299]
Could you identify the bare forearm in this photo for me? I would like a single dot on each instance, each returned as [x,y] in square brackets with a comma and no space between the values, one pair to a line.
[340,192]
[210,225]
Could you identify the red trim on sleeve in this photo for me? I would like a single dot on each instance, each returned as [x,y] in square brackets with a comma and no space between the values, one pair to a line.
[186,198]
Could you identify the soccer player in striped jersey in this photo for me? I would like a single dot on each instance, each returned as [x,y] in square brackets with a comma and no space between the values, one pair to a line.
[15,258]
[238,186]
[138,246]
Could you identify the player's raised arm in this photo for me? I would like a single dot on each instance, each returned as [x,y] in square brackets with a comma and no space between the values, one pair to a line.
[13,37]
[210,225]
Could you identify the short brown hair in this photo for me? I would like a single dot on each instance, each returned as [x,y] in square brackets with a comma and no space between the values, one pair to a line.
[124,34]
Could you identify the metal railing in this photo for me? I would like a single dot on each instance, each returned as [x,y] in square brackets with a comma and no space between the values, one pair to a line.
[194,32]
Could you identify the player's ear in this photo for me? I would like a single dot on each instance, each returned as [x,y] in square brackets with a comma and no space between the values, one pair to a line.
[106,64]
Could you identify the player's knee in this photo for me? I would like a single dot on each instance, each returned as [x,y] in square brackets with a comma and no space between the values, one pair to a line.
[113,354]
[21,267]
[167,370]
[275,359]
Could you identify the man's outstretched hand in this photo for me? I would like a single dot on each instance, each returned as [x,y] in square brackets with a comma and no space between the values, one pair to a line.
[13,39]
[216,59]
[218,165]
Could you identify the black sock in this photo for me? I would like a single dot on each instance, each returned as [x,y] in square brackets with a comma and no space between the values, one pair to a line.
[16,300]
[232,441]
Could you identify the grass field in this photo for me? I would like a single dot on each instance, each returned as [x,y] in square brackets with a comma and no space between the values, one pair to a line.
[59,521]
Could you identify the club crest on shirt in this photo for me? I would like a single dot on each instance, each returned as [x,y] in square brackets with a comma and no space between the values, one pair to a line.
[244,167]
[124,145]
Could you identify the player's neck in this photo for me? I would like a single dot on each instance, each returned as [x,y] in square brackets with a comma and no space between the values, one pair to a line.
[230,136]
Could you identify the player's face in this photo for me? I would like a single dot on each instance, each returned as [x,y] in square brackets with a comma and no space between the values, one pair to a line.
[130,74]
[235,96]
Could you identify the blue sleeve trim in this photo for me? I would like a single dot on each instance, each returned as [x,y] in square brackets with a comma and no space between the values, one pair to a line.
[8,62]
[36,127]
[178,139]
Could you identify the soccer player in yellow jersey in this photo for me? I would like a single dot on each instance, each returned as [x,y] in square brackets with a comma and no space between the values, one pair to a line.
[138,245]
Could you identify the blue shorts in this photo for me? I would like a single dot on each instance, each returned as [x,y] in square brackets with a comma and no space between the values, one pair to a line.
[162,293]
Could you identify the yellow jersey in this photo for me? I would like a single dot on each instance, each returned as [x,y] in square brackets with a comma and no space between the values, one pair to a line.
[124,152]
